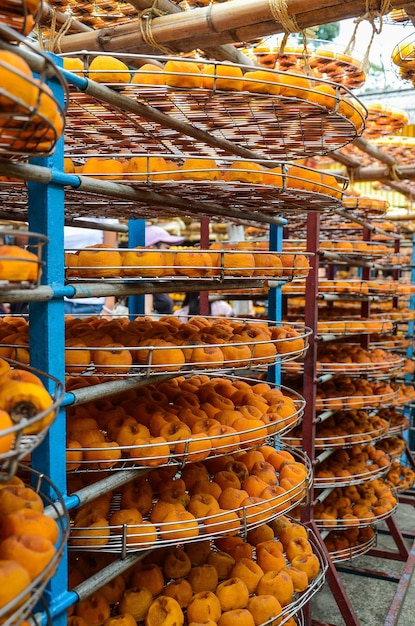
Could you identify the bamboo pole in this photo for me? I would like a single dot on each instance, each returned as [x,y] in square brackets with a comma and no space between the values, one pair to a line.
[365,146]
[409,217]
[226,52]
[383,174]
[218,24]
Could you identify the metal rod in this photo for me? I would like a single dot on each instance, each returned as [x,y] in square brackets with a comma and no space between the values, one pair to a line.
[94,392]
[46,176]
[321,417]
[324,455]
[111,482]
[96,581]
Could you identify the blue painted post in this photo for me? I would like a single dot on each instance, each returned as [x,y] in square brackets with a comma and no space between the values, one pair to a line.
[275,297]
[136,237]
[46,328]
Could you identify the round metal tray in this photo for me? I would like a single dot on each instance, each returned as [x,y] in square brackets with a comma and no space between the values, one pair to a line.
[356,520]
[277,126]
[123,539]
[16,15]
[22,606]
[362,401]
[326,58]
[29,432]
[353,477]
[354,326]
[201,344]
[362,544]
[189,443]
[232,182]
[30,127]
[215,265]
[21,259]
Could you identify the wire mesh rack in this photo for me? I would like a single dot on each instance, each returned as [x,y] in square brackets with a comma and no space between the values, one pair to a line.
[217,264]
[133,437]
[343,429]
[22,606]
[297,120]
[321,58]
[20,263]
[367,514]
[145,347]
[21,15]
[359,540]
[29,410]
[32,118]
[112,531]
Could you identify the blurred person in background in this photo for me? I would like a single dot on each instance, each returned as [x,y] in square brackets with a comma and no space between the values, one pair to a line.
[158,237]
[191,306]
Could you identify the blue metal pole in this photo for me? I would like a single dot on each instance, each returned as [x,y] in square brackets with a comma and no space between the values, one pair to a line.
[46,328]
[275,297]
[136,237]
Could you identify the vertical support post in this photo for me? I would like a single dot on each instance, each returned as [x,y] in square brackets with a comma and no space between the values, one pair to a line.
[204,244]
[309,422]
[365,308]
[46,326]
[310,359]
[275,297]
[136,237]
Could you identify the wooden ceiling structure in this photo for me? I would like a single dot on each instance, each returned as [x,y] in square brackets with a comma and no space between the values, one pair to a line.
[216,28]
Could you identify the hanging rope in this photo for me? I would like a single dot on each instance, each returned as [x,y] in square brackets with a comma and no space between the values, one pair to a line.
[350,175]
[370,16]
[393,172]
[279,12]
[146,18]
[61,33]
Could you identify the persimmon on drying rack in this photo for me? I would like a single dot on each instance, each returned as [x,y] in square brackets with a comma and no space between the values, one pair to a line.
[144,346]
[269,579]
[357,505]
[345,544]
[181,507]
[29,557]
[234,181]
[367,206]
[355,288]
[27,410]
[343,429]
[403,56]
[181,420]
[281,114]
[32,120]
[352,466]
[21,266]
[220,262]
[321,58]
[384,120]
[349,358]
[20,15]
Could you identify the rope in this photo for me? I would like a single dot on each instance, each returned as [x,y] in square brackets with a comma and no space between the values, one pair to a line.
[393,172]
[62,32]
[370,16]
[279,12]
[350,175]
[146,18]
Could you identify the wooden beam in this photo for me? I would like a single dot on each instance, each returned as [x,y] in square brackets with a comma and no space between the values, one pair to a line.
[383,174]
[218,24]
